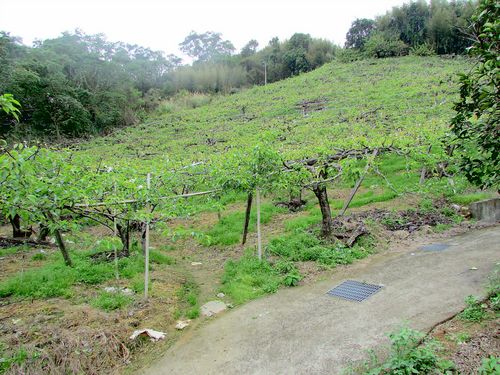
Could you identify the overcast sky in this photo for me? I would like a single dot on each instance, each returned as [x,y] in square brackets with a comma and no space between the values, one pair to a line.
[163,24]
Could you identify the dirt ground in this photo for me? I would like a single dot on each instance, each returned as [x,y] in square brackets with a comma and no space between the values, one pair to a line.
[61,328]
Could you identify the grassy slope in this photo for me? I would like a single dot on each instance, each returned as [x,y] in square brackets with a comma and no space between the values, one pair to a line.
[406,92]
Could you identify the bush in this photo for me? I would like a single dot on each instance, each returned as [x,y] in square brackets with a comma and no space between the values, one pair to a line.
[424,49]
[347,55]
[380,45]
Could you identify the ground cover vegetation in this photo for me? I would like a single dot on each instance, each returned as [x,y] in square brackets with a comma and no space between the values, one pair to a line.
[291,156]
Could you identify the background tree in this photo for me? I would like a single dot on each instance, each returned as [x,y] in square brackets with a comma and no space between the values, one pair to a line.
[475,127]
[207,46]
[359,32]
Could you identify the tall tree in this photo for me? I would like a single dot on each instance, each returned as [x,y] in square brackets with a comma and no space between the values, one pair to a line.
[207,46]
[359,32]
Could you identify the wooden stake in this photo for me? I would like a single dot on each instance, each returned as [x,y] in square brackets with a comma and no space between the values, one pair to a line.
[115,230]
[146,255]
[259,239]
[358,183]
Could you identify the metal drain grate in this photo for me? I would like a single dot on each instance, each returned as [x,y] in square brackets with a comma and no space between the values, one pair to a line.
[435,247]
[354,290]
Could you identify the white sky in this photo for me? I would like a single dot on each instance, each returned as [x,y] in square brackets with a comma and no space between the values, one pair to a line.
[163,24]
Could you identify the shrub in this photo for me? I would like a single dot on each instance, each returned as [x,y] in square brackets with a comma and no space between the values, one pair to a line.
[380,45]
[424,49]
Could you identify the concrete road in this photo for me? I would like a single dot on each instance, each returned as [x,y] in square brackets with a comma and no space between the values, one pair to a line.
[305,331]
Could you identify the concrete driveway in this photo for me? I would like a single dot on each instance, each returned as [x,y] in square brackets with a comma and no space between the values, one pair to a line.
[305,331]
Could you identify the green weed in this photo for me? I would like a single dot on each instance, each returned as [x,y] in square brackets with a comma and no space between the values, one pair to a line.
[13,250]
[466,199]
[490,366]
[407,356]
[304,246]
[18,357]
[248,278]
[229,229]
[188,298]
[111,301]
[54,279]
[475,310]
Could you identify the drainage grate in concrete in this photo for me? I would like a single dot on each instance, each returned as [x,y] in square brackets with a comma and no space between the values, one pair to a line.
[435,247]
[354,290]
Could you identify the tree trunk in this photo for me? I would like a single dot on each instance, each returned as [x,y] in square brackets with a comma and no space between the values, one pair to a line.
[326,214]
[143,239]
[17,232]
[43,232]
[124,234]
[247,218]
[62,247]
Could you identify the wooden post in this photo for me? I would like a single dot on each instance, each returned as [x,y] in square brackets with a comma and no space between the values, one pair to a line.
[146,255]
[358,184]
[115,231]
[259,239]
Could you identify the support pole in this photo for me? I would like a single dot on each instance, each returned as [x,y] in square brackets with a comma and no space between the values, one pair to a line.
[146,255]
[358,183]
[259,237]
[115,231]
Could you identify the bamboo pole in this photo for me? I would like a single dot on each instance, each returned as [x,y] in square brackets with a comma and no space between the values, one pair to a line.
[259,237]
[128,201]
[146,255]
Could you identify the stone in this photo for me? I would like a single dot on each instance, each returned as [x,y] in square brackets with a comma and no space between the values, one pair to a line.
[212,308]
[220,295]
[181,324]
[196,263]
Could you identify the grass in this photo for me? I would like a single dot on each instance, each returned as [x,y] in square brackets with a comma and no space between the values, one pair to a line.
[305,246]
[14,250]
[466,199]
[188,297]
[248,278]
[229,229]
[108,301]
[55,279]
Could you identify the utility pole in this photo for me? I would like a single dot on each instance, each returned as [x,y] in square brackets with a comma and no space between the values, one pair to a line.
[265,73]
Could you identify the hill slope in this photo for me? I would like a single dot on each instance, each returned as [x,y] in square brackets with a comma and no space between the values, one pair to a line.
[331,105]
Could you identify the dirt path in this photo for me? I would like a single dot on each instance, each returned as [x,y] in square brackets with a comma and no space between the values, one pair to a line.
[304,331]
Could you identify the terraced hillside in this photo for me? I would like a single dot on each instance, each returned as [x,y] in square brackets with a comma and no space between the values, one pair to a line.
[330,106]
